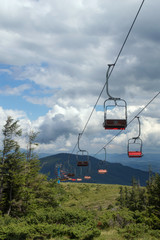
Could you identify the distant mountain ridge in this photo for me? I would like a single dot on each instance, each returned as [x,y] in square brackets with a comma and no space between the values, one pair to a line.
[117,173]
[148,161]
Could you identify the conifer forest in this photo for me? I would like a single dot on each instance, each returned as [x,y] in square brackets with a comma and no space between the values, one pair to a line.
[34,207]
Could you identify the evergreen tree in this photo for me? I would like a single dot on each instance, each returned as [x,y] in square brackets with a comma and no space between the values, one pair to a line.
[153,191]
[33,163]
[126,196]
[142,202]
[121,198]
[22,188]
[32,176]
[12,167]
[134,198]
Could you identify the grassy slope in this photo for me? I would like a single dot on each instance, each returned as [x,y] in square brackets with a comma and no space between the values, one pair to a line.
[96,197]
[90,196]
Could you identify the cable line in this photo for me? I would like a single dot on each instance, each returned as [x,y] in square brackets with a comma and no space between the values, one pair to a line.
[130,121]
[121,49]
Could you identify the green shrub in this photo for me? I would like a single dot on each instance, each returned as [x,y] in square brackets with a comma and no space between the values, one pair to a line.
[133,231]
[141,230]
[113,218]
[48,223]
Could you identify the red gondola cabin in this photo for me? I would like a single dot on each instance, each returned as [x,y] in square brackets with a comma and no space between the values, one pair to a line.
[135,154]
[82,163]
[102,171]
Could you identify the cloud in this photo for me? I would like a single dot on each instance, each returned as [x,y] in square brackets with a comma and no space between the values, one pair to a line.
[58,122]
[7,90]
[57,55]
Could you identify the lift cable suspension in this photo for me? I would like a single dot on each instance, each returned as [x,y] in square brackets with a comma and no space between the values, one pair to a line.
[134,147]
[126,38]
[129,122]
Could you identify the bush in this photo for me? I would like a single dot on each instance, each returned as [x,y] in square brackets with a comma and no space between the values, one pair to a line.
[112,218]
[48,223]
[135,231]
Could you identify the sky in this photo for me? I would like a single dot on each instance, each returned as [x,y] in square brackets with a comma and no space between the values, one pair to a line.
[53,63]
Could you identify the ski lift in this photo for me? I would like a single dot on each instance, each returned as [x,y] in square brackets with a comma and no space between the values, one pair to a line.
[101,169]
[79,179]
[135,145]
[70,174]
[84,153]
[70,169]
[114,104]
[87,177]
[63,179]
[82,163]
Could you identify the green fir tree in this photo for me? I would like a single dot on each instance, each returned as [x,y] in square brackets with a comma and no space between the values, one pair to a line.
[11,165]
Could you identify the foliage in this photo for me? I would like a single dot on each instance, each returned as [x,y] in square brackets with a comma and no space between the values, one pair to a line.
[22,187]
[49,223]
[33,207]
[30,203]
[145,205]
[134,198]
[153,191]
[12,167]
[139,231]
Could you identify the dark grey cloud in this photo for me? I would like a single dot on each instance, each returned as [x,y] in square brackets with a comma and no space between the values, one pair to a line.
[55,127]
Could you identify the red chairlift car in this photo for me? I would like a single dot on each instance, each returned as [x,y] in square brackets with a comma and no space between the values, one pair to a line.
[102,171]
[135,145]
[111,103]
[111,123]
[135,154]
[87,177]
[101,168]
[82,163]
[135,148]
[79,179]
[84,153]
[70,168]
[63,179]
[70,174]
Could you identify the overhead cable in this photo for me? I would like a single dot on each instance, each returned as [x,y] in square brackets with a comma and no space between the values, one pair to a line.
[126,38]
[129,122]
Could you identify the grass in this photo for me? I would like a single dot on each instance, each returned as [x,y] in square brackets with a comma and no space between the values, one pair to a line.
[96,198]
[90,196]
[87,210]
[109,235]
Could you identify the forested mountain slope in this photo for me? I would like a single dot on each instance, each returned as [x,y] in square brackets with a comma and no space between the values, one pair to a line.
[116,172]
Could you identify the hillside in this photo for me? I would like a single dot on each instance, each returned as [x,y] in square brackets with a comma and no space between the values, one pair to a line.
[84,212]
[90,196]
[113,221]
[117,173]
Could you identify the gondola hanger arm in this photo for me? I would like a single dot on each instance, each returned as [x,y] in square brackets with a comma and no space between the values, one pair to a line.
[139,128]
[105,153]
[81,150]
[107,78]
